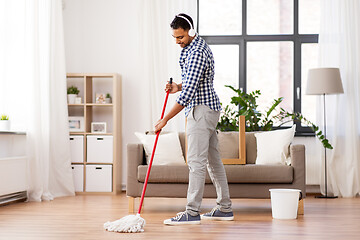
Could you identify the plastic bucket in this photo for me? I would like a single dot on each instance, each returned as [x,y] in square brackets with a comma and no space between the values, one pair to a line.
[284,203]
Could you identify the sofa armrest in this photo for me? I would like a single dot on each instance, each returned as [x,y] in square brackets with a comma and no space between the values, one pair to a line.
[135,155]
[297,154]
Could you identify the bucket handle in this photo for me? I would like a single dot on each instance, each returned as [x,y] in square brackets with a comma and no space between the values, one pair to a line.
[301,196]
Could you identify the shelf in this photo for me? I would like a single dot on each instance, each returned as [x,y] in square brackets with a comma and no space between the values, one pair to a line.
[89,85]
[88,133]
[101,163]
[77,133]
[76,105]
[92,104]
[92,163]
[98,75]
[100,104]
[98,133]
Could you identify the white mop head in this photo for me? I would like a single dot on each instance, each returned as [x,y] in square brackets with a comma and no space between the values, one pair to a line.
[128,224]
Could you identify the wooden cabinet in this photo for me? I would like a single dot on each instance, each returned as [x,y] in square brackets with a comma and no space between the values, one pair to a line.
[104,146]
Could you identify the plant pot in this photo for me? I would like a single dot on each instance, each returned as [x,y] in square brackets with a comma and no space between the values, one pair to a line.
[78,100]
[4,125]
[107,100]
[71,98]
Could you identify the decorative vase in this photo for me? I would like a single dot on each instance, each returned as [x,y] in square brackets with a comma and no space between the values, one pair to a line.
[78,100]
[71,98]
[4,125]
[107,100]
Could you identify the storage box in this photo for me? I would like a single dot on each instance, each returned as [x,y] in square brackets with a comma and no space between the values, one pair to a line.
[78,176]
[98,178]
[99,149]
[77,149]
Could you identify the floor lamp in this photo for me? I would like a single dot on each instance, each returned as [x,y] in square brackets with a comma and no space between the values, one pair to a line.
[323,81]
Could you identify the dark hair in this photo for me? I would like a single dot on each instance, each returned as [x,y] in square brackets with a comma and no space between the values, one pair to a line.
[179,22]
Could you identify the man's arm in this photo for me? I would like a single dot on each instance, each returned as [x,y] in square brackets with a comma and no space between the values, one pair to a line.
[173,112]
[197,64]
[173,88]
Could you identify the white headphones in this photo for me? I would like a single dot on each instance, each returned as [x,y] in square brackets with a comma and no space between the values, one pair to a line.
[192,31]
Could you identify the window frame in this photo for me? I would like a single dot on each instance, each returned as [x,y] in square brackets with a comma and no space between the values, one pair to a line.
[244,38]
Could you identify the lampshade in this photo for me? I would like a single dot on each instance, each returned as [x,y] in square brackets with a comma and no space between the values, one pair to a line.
[324,81]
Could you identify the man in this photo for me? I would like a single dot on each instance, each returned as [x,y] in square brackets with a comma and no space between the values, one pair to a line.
[202,109]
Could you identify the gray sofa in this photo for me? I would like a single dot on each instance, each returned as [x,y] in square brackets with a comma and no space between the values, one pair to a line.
[245,181]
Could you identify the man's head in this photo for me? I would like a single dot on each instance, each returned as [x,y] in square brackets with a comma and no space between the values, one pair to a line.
[180,27]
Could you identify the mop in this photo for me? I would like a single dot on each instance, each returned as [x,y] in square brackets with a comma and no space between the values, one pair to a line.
[135,223]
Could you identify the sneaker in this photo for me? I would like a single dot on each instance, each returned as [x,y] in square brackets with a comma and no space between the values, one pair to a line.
[216,214]
[183,218]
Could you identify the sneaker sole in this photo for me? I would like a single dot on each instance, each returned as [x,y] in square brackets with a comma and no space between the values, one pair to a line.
[169,222]
[217,218]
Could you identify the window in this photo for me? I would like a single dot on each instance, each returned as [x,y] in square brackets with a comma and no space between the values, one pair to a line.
[216,12]
[266,45]
[227,70]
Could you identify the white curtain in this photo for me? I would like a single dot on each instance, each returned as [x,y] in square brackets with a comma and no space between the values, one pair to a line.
[339,43]
[34,64]
[161,55]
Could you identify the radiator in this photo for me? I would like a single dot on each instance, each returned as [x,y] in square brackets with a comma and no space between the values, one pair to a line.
[12,179]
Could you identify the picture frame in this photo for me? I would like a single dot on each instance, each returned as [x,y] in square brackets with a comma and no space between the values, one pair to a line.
[76,124]
[242,145]
[98,127]
[100,98]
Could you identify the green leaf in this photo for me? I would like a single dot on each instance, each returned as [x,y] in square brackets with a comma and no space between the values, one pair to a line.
[246,104]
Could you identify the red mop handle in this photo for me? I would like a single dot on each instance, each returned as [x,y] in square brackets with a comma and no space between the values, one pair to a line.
[153,153]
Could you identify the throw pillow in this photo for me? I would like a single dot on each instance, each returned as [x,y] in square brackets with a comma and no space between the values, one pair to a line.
[228,144]
[273,146]
[168,150]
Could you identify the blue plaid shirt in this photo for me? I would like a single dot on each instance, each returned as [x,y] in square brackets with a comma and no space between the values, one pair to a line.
[197,73]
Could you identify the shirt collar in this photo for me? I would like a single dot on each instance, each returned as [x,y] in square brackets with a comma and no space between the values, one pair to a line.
[193,42]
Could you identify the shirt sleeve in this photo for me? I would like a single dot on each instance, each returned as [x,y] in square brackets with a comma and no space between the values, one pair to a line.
[194,70]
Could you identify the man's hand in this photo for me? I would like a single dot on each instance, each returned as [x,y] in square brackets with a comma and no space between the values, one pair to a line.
[174,88]
[159,125]
[162,122]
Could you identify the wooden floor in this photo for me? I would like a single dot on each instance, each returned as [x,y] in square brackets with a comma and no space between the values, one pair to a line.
[82,217]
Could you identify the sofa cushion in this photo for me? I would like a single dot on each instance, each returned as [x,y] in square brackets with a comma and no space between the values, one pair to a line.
[249,173]
[251,149]
[230,149]
[168,144]
[229,145]
[273,146]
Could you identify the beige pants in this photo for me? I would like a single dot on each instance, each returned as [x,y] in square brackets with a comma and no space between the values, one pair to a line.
[203,153]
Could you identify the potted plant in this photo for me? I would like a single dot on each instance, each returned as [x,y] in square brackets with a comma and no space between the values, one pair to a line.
[72,93]
[4,123]
[108,98]
[255,120]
